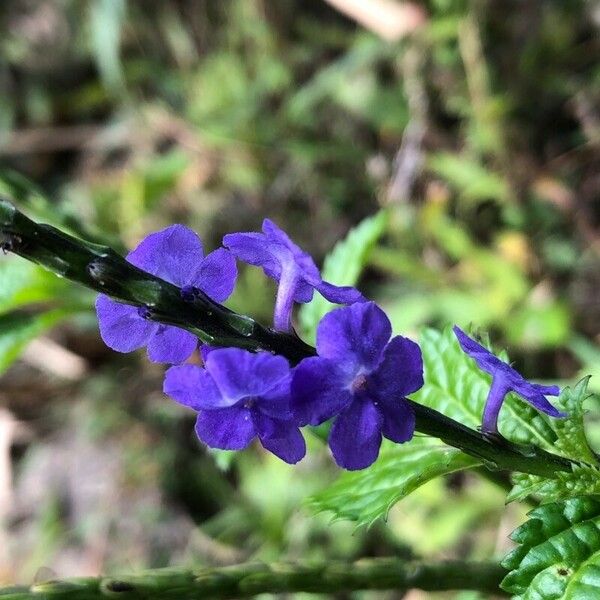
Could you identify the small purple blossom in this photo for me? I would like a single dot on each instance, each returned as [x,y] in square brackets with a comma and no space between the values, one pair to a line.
[239,396]
[505,380]
[174,254]
[294,269]
[362,378]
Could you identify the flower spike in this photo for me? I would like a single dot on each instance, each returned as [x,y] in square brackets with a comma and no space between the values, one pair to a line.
[281,259]
[505,380]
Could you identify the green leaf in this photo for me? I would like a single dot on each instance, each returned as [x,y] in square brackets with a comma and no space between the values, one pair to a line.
[583,479]
[522,424]
[570,441]
[343,267]
[24,283]
[471,179]
[558,557]
[61,214]
[455,386]
[571,438]
[106,22]
[365,496]
[25,286]
[328,81]
[17,329]
[540,326]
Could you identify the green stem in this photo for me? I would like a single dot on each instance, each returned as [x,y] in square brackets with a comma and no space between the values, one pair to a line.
[100,268]
[250,579]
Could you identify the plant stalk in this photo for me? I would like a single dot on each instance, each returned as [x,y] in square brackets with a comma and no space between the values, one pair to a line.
[249,579]
[100,268]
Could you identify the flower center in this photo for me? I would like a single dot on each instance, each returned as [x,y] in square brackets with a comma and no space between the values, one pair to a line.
[144,312]
[249,402]
[359,384]
[189,293]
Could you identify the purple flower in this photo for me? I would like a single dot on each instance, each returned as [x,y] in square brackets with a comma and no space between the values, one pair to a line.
[362,378]
[294,269]
[505,380]
[174,254]
[239,396]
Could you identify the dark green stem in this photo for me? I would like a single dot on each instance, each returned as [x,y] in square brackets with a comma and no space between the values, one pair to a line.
[100,268]
[246,580]
[496,452]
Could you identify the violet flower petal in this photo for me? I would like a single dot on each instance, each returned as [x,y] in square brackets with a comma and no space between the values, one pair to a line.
[172,254]
[121,327]
[355,436]
[294,269]
[304,292]
[282,438]
[193,387]
[547,390]
[240,374]
[398,420]
[216,275]
[275,234]
[276,401]
[320,390]
[304,261]
[227,428]
[205,350]
[171,345]
[486,360]
[355,336]
[535,394]
[339,294]
[253,249]
[400,372]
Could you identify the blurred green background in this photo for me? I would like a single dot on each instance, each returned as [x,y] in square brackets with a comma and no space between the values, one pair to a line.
[470,129]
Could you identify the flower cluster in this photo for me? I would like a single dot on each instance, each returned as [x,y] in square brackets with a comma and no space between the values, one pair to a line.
[359,378]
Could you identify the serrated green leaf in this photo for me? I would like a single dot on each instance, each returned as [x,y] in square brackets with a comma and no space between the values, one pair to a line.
[571,442]
[455,386]
[525,485]
[558,557]
[571,439]
[343,267]
[17,329]
[365,496]
[522,424]
[583,479]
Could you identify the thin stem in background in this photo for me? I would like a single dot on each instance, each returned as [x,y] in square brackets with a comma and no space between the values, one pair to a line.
[250,579]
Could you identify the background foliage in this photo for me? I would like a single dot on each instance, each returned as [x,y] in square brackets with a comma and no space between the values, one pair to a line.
[471,147]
